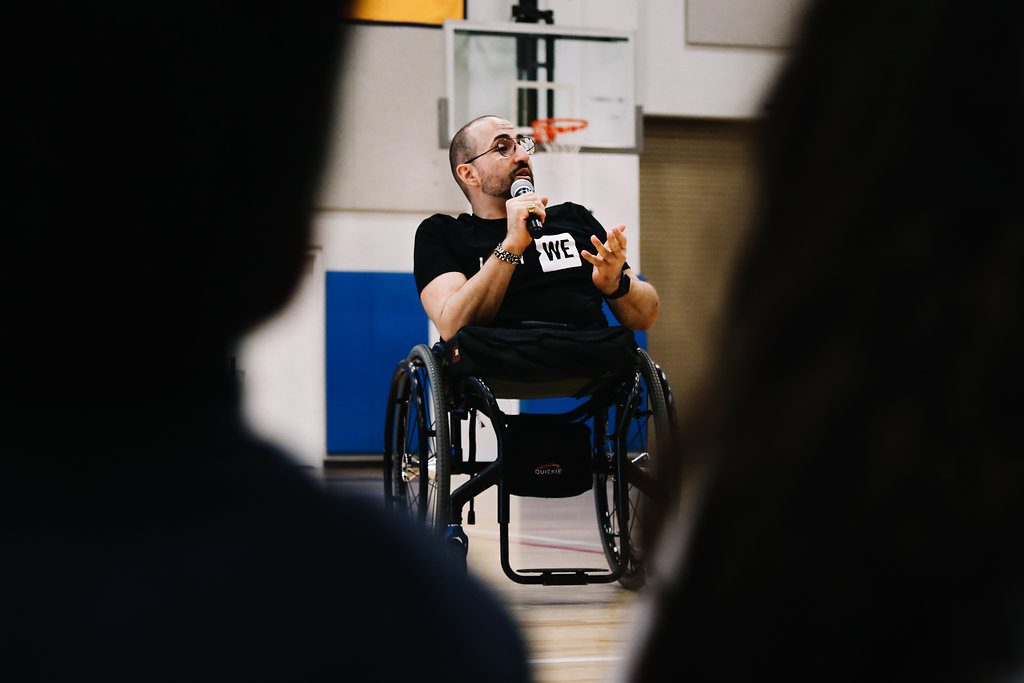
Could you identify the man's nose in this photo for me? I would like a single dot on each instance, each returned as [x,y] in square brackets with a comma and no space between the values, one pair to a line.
[520,153]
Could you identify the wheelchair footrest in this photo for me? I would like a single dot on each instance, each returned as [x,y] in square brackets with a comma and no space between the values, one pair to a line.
[568,576]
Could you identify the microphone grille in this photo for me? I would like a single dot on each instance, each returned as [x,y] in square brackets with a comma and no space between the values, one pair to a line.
[521,186]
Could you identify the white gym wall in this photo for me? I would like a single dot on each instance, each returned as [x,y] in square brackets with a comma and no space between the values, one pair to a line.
[386,172]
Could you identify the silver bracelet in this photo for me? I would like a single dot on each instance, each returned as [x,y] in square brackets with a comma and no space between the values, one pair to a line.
[508,256]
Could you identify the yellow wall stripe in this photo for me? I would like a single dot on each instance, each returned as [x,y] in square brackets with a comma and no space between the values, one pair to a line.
[407,11]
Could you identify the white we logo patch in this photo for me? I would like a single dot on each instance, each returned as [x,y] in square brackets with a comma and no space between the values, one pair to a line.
[557,252]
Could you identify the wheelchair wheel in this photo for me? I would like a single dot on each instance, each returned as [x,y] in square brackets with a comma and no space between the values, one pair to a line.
[642,432]
[417,448]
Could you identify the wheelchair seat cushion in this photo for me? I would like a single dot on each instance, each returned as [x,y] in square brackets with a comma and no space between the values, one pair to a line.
[537,362]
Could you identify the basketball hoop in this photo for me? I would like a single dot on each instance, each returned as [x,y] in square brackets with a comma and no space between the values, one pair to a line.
[558,134]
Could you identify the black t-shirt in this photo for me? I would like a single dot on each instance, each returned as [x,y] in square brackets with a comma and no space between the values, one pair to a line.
[554,284]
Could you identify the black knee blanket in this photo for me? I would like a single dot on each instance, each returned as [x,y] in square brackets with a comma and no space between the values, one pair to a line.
[527,356]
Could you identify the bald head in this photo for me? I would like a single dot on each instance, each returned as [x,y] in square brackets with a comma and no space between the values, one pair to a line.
[463,147]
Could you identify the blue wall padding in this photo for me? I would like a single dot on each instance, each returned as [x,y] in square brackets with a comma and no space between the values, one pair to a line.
[373,320]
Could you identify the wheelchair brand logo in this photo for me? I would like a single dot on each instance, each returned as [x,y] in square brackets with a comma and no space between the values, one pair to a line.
[549,468]
[557,252]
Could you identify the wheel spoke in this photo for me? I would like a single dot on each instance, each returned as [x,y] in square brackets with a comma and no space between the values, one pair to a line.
[419,477]
[622,509]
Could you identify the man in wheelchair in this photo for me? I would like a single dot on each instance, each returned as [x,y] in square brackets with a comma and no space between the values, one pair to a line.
[479,268]
[522,322]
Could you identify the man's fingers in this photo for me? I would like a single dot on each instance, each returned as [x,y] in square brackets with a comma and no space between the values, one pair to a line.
[520,206]
[620,235]
[601,249]
[617,238]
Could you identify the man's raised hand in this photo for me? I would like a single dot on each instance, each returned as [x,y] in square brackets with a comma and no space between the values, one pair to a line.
[608,260]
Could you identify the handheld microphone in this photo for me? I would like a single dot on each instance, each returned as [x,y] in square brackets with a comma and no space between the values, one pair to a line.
[522,186]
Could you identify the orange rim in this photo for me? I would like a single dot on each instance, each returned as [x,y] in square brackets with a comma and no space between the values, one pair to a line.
[547,130]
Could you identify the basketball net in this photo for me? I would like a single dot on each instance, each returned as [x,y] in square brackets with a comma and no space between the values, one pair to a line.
[560,135]
[561,139]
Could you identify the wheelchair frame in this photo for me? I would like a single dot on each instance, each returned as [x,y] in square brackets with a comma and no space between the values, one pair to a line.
[423,449]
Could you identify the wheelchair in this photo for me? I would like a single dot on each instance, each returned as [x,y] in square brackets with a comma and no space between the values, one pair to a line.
[609,443]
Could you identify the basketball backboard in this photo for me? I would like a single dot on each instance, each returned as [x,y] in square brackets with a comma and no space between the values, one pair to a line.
[527,71]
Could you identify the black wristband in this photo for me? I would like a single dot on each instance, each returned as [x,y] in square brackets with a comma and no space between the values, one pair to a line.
[623,289]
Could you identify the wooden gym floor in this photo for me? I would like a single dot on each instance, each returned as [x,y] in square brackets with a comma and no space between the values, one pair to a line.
[574,633]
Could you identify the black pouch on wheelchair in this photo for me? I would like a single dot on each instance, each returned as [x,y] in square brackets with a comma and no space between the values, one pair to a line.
[546,456]
[514,357]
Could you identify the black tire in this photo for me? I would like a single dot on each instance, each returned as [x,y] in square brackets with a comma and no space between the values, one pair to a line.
[417,447]
[643,443]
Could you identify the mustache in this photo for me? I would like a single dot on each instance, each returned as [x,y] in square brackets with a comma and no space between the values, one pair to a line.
[522,167]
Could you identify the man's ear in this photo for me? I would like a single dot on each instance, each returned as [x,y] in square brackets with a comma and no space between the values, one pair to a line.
[467,174]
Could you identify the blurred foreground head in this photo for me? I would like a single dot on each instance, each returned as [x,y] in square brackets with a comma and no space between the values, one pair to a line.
[864,465]
[165,167]
[874,312]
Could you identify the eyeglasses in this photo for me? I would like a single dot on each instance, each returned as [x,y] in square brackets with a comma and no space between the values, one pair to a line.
[506,147]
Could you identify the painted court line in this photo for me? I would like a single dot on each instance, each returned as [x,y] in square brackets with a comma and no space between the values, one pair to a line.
[574,660]
[547,542]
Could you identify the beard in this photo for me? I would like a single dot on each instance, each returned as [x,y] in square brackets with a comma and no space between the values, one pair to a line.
[501,186]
